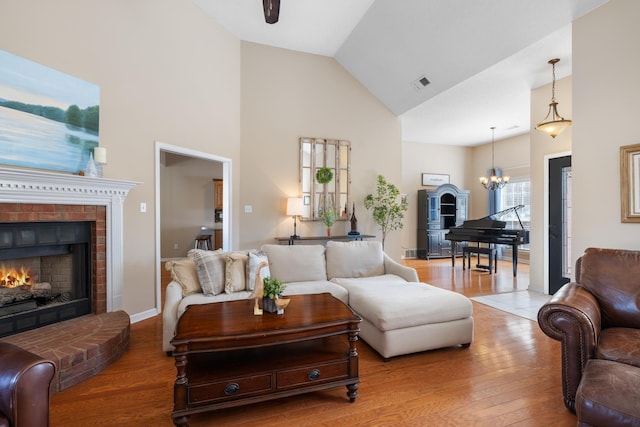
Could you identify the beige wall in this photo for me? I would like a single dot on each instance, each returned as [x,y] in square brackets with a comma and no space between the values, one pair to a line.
[286,95]
[420,158]
[186,200]
[606,91]
[166,73]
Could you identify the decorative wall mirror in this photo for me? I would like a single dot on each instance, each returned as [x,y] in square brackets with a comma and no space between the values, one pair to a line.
[326,158]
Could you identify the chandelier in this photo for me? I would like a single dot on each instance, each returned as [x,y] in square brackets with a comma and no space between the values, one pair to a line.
[493,182]
[553,124]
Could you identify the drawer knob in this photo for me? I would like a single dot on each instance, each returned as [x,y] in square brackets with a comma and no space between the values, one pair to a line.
[313,374]
[231,389]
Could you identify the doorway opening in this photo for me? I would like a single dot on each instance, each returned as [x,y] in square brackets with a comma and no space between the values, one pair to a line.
[558,222]
[178,222]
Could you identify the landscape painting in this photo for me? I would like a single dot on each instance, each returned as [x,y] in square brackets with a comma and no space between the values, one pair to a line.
[48,119]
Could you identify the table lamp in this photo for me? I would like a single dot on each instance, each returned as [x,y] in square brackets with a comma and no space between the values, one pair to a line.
[295,208]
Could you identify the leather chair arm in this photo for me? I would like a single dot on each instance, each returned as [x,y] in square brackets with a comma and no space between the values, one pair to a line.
[572,316]
[25,380]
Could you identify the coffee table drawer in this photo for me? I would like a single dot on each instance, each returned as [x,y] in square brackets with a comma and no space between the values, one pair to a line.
[229,389]
[312,374]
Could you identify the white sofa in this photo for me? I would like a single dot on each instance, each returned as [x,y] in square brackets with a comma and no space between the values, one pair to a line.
[399,314]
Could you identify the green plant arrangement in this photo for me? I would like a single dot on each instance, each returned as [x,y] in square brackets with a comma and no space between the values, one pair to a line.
[387,207]
[324,175]
[272,287]
[272,290]
[328,217]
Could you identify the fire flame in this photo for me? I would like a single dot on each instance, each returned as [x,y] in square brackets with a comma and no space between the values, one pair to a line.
[13,277]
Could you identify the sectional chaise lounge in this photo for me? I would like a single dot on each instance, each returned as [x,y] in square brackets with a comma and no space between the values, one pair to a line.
[399,314]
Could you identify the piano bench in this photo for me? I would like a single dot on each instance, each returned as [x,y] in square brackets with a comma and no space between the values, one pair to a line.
[467,252]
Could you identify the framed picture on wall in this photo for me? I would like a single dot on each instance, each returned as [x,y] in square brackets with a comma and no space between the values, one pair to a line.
[630,183]
[48,119]
[434,179]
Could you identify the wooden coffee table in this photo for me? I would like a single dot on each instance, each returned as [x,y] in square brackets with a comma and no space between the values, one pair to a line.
[225,356]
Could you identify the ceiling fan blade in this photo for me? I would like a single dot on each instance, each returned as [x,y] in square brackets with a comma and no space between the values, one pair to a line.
[271,10]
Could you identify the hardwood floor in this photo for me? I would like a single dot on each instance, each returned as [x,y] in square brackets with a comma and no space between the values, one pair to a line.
[510,376]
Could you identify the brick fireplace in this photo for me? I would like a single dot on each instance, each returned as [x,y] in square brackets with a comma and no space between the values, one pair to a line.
[83,346]
[74,226]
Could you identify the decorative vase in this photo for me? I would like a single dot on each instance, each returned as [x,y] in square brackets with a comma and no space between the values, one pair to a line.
[269,305]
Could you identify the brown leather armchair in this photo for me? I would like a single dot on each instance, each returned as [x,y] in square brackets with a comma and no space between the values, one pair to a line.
[25,381]
[597,317]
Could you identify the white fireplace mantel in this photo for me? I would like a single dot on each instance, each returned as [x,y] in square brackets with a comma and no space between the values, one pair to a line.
[26,186]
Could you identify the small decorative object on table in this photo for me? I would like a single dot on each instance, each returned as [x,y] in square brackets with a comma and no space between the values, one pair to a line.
[272,292]
[328,218]
[354,224]
[258,289]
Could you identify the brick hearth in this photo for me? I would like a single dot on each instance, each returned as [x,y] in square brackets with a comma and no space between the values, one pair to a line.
[83,346]
[80,347]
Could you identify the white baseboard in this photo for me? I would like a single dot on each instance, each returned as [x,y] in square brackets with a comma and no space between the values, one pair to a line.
[144,315]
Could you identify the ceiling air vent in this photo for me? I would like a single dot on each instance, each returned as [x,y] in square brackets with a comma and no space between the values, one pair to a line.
[420,83]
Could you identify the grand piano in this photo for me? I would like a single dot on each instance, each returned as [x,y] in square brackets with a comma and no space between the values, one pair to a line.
[490,230]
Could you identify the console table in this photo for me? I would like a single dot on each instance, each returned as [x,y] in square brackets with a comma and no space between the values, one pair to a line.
[226,356]
[323,239]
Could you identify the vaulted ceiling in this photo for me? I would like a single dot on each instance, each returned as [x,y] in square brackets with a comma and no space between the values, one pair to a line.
[481,58]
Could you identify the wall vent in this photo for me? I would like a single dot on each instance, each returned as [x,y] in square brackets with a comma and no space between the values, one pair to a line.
[410,253]
[420,83]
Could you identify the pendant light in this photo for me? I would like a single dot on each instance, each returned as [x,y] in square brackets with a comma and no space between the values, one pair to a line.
[553,124]
[493,182]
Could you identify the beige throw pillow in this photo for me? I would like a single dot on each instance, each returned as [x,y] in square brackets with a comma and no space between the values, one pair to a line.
[235,272]
[184,273]
[210,266]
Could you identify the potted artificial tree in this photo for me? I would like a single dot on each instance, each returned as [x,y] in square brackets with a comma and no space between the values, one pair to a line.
[387,207]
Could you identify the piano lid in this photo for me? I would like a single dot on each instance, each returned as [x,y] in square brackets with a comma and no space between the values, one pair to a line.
[492,221]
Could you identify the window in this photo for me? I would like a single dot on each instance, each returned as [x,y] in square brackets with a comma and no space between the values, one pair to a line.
[517,192]
[334,154]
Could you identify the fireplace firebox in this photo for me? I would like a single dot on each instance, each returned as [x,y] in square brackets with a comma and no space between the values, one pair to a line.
[45,273]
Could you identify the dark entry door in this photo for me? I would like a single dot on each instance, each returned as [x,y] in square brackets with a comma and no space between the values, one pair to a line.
[559,241]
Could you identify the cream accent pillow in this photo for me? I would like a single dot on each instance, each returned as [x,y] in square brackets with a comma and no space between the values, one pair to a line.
[210,266]
[184,273]
[296,263]
[354,259]
[235,272]
[255,259]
